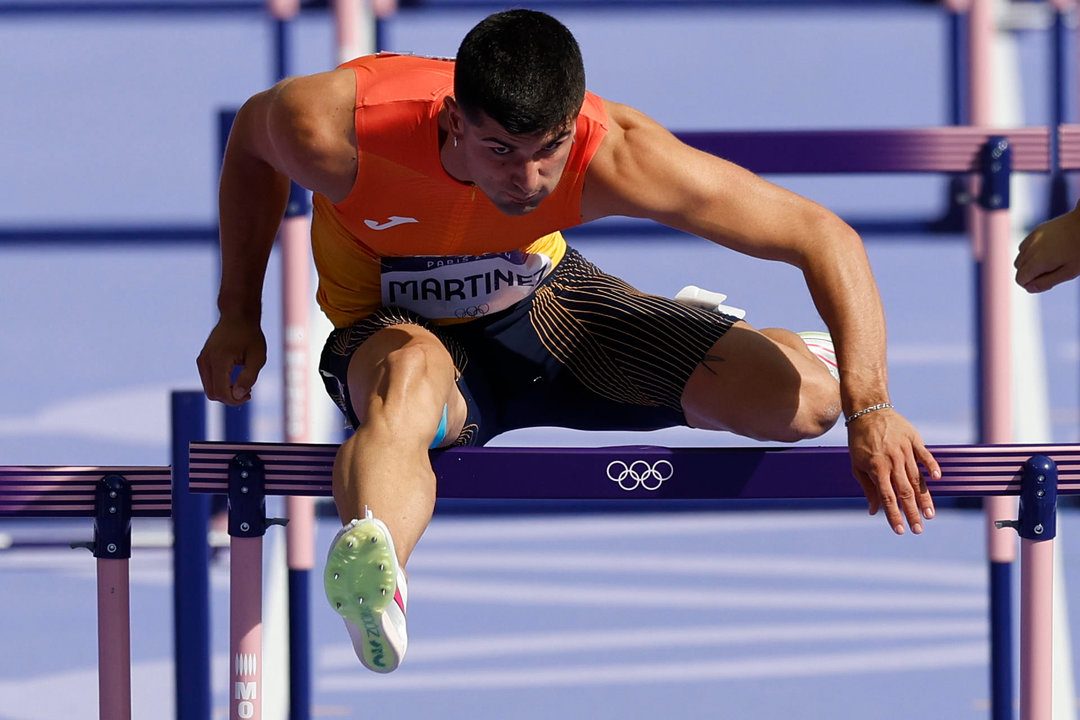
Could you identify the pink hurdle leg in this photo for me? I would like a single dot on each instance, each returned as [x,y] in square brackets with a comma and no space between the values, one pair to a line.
[245,629]
[114,640]
[1036,629]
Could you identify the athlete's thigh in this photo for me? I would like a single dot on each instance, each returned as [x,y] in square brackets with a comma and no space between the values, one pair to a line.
[753,385]
[625,346]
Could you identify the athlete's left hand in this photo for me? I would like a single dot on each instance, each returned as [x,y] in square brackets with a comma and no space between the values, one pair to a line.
[885,455]
[1050,255]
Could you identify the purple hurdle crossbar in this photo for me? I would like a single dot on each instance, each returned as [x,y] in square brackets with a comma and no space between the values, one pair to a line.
[1069,147]
[917,150]
[112,496]
[248,470]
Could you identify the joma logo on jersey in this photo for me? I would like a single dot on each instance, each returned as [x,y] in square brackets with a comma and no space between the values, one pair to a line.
[393,221]
[470,286]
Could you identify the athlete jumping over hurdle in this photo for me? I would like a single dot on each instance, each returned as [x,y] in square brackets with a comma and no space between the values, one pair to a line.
[440,190]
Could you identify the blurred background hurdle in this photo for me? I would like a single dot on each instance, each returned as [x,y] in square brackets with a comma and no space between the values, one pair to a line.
[112,496]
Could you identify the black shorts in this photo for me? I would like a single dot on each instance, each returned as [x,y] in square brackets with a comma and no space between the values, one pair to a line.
[584,351]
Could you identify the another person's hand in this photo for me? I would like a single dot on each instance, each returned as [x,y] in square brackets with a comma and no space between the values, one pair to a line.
[232,344]
[1050,255]
[885,455]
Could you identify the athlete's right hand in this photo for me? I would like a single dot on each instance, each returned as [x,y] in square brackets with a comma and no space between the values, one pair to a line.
[232,343]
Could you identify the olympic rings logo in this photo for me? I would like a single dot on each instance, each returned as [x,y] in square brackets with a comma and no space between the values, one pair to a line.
[640,473]
[474,311]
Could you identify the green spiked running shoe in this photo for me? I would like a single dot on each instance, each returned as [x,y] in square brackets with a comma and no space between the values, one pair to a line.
[365,585]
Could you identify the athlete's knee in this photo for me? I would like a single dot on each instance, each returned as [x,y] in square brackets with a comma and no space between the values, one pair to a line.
[415,362]
[819,406]
[398,356]
[413,376]
[401,382]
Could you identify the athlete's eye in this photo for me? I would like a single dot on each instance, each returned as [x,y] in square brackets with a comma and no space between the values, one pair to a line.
[500,149]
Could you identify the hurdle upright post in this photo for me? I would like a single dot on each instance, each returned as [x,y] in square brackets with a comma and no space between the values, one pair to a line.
[191,564]
[112,548]
[991,234]
[1036,524]
[1038,528]
[1063,93]
[294,241]
[994,258]
[247,525]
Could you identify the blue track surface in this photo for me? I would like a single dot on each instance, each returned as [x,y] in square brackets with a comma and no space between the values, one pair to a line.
[772,615]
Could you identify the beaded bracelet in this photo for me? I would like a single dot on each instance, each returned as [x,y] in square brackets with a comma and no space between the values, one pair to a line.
[864,411]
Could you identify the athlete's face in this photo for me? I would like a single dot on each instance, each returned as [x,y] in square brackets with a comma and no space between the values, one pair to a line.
[516,172]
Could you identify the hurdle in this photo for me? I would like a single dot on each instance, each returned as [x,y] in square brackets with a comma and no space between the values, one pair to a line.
[248,472]
[112,496]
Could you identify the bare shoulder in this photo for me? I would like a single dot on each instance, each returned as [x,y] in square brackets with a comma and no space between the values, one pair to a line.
[643,170]
[637,158]
[624,117]
[311,132]
[317,98]
[625,127]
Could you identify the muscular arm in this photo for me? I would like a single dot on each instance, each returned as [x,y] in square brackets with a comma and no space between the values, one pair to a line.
[251,202]
[302,129]
[642,170]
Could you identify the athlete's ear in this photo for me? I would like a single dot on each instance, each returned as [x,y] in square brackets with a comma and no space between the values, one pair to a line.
[455,116]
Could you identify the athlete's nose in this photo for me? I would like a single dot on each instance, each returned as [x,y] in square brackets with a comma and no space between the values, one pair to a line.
[526,177]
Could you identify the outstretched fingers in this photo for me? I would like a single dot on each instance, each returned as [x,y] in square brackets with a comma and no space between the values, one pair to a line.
[898,488]
[909,497]
[873,499]
[886,454]
[898,497]
[928,461]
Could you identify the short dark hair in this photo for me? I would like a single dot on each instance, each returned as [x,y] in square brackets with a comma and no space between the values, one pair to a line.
[523,69]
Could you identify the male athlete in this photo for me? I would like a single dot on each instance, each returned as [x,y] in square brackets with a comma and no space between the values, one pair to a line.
[440,190]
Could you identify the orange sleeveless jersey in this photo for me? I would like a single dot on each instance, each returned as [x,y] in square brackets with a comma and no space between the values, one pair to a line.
[404,204]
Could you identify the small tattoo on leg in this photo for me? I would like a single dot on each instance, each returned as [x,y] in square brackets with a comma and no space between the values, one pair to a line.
[711,359]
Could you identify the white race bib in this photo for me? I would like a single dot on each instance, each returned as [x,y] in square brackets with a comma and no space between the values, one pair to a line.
[441,287]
